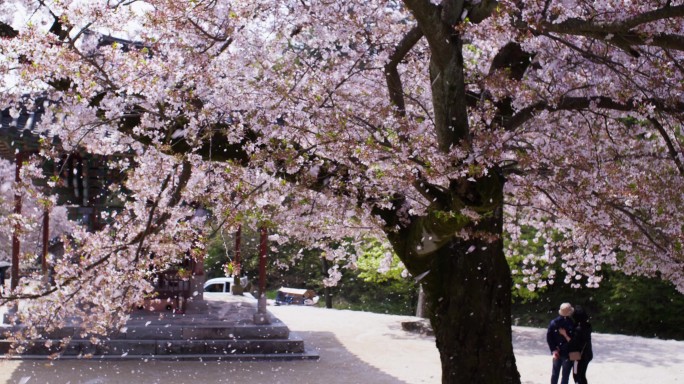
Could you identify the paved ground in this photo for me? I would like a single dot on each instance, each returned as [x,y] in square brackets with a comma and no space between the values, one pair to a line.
[358,347]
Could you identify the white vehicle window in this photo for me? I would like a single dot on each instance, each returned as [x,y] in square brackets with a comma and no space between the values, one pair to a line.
[217,287]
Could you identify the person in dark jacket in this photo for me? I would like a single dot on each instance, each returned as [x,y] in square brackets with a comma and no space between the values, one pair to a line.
[558,345]
[580,341]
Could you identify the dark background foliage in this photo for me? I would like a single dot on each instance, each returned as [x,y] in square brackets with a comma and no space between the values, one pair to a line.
[630,305]
[622,304]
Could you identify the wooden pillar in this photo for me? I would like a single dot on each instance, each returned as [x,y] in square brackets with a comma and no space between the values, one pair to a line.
[261,317]
[237,288]
[237,262]
[262,261]
[420,306]
[326,290]
[46,240]
[16,245]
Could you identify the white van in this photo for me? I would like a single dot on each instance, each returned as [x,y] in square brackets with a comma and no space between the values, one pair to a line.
[220,286]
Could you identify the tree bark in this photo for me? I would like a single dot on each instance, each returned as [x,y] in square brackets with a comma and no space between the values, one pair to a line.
[456,250]
[470,299]
[466,281]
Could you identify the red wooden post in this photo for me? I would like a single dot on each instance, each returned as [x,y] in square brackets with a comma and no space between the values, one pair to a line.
[237,266]
[16,245]
[46,239]
[237,288]
[262,261]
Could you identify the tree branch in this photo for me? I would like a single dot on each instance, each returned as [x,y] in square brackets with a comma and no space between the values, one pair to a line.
[581,103]
[579,26]
[394,85]
[430,22]
[621,33]
[672,151]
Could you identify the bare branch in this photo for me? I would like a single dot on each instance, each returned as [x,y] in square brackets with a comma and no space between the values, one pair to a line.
[621,33]
[394,85]
[581,103]
[582,27]
[672,151]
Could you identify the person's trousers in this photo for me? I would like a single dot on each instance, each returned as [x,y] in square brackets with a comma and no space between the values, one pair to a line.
[562,364]
[580,376]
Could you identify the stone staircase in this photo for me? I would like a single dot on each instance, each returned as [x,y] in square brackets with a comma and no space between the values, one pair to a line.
[208,330]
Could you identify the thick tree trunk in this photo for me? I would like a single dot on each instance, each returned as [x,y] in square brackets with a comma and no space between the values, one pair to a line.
[470,302]
[467,282]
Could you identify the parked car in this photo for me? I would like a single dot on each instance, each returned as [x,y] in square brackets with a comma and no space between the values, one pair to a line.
[221,285]
[4,266]
[295,296]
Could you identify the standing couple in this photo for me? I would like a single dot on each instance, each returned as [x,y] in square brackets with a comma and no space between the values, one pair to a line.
[568,335]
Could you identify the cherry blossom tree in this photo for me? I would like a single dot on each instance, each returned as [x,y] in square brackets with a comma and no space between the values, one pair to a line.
[435,124]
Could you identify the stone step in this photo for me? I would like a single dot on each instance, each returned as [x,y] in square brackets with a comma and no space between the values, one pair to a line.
[188,357]
[167,348]
[166,331]
[208,330]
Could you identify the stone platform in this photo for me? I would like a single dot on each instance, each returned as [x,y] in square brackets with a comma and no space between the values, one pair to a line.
[212,329]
